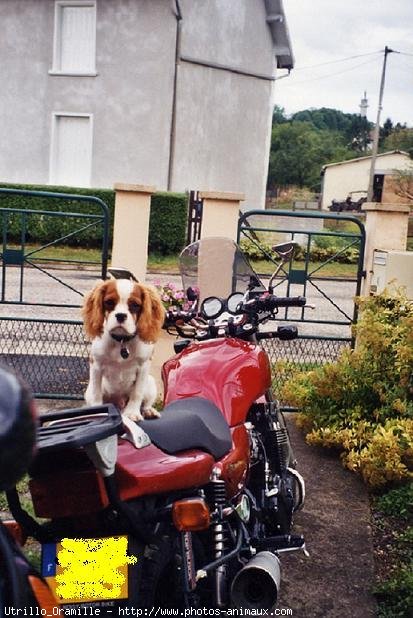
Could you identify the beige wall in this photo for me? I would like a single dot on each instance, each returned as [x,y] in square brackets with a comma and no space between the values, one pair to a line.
[389,194]
[386,229]
[348,176]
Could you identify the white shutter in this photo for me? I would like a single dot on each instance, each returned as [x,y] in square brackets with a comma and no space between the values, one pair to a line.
[75,37]
[78,38]
[71,158]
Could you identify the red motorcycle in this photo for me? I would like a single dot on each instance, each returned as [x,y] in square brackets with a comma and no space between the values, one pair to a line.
[203,497]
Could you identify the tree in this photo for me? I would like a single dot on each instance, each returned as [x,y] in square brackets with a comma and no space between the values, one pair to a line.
[278,115]
[386,130]
[400,139]
[354,128]
[298,152]
[404,183]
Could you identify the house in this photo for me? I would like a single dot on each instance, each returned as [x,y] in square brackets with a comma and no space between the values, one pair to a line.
[176,94]
[352,177]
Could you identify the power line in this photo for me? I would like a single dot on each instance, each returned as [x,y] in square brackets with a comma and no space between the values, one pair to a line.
[312,66]
[313,79]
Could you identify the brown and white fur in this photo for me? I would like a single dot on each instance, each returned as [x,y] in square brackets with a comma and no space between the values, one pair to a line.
[132,312]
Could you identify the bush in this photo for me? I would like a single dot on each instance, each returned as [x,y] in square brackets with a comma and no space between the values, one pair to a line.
[362,405]
[168,221]
[167,226]
[396,594]
[320,252]
[397,502]
[393,516]
[45,228]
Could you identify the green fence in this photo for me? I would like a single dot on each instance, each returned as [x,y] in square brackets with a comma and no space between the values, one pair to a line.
[328,270]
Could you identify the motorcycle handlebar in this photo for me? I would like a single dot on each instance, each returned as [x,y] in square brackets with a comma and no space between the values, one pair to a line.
[265,303]
[271,302]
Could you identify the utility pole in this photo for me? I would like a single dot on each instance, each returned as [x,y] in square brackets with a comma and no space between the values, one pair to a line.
[376,133]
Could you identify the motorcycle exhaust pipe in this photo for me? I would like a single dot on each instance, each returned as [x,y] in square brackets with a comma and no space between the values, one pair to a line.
[257,584]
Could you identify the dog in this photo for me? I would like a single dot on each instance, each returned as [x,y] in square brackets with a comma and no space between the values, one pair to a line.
[123,318]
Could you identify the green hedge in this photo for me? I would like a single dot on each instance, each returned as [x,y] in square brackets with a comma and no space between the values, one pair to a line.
[168,222]
[167,228]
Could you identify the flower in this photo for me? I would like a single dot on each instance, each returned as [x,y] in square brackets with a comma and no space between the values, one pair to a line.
[171,296]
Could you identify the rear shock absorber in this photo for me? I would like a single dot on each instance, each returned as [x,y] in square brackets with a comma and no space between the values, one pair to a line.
[219,496]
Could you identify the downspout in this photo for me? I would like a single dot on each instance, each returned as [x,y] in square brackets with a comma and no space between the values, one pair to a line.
[172,137]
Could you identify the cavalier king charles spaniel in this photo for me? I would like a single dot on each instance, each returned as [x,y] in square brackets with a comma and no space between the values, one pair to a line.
[123,318]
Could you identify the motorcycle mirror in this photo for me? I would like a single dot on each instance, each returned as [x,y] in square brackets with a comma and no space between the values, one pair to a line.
[212,307]
[285,250]
[234,301]
[191,294]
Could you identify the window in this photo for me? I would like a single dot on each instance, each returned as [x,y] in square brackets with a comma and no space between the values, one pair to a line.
[71,149]
[74,51]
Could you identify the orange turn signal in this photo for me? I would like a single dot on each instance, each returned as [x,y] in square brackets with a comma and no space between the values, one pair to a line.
[16,531]
[191,515]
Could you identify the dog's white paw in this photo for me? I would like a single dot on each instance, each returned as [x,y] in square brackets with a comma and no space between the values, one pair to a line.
[150,413]
[133,414]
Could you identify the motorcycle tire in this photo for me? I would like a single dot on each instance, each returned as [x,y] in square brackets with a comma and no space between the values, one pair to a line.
[159,581]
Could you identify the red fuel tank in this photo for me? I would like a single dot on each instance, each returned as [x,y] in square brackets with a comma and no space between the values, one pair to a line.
[229,372]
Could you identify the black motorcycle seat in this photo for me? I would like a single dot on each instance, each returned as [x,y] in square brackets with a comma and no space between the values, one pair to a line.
[190,423]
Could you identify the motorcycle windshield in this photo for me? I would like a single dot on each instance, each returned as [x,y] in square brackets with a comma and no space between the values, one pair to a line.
[217,267]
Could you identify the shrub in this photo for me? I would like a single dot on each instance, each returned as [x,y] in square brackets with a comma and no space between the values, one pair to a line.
[318,252]
[393,514]
[397,502]
[167,225]
[44,228]
[255,251]
[396,594]
[362,405]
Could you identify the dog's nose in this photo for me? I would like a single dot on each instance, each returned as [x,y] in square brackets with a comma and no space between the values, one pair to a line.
[121,317]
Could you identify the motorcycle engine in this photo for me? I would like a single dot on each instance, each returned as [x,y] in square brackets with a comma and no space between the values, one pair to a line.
[270,482]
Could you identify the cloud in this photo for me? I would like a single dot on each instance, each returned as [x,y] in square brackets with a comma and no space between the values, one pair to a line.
[326,30]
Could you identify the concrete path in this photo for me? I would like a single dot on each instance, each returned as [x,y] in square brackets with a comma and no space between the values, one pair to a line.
[336,580]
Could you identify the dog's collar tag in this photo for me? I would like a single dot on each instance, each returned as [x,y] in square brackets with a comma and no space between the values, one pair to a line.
[124,352]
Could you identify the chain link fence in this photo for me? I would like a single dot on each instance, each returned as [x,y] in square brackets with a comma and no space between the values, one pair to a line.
[301,354]
[52,356]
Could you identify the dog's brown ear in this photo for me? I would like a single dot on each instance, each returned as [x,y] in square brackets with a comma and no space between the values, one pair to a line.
[92,311]
[152,316]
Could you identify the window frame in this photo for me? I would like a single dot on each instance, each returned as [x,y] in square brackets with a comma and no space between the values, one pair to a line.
[57,38]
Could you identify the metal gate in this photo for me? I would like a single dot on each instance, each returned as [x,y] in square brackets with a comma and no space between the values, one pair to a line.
[328,271]
[41,292]
[195,206]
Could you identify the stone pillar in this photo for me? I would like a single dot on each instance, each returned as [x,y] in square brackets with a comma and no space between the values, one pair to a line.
[386,228]
[220,213]
[131,228]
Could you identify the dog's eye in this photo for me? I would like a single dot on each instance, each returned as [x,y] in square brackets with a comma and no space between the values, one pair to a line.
[109,304]
[134,307]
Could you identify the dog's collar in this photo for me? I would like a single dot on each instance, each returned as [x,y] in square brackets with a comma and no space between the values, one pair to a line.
[122,338]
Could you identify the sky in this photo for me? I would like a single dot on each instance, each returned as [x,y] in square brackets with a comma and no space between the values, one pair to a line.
[325,32]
